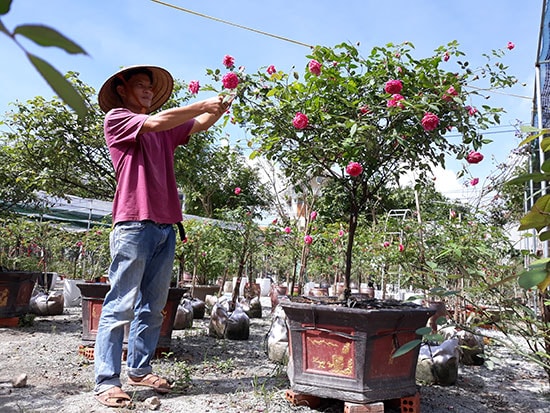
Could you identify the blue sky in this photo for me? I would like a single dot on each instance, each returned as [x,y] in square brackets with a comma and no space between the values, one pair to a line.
[118,33]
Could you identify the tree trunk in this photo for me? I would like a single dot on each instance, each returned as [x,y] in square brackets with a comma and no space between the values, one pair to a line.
[349,248]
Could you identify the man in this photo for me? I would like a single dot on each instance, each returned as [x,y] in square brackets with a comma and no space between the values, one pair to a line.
[145,208]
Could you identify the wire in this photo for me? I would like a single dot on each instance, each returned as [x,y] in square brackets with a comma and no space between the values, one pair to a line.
[490,90]
[286,39]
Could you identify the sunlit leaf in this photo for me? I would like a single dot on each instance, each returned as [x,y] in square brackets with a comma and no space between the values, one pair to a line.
[539,216]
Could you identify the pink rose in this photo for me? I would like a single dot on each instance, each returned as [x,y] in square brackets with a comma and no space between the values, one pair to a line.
[300,121]
[308,239]
[354,169]
[452,213]
[471,110]
[474,157]
[395,101]
[313,216]
[287,230]
[446,56]
[448,95]
[194,87]
[386,244]
[228,61]
[474,181]
[430,122]
[230,80]
[510,45]
[315,67]
[341,233]
[237,191]
[393,86]
[401,248]
[274,222]
[271,69]
[364,109]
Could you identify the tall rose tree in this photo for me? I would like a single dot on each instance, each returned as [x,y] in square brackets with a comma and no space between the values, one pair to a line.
[365,122]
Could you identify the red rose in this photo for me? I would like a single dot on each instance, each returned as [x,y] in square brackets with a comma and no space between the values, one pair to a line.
[315,67]
[395,101]
[194,86]
[230,80]
[474,157]
[430,122]
[393,86]
[300,121]
[228,61]
[354,169]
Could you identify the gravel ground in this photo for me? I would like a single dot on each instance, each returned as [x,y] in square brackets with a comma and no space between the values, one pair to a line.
[214,375]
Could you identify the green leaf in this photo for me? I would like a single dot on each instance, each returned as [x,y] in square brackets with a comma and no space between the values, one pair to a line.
[532,277]
[406,348]
[423,331]
[60,85]
[533,137]
[544,236]
[535,177]
[353,130]
[538,217]
[529,129]
[5,6]
[46,36]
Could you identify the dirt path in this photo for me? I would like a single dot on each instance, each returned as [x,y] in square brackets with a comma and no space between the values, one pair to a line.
[223,376]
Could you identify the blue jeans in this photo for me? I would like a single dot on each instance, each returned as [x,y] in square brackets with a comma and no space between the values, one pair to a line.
[142,256]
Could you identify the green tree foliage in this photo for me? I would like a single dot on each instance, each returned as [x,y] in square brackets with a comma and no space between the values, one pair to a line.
[48,149]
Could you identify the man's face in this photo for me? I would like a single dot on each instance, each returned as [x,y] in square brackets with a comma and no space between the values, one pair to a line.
[137,93]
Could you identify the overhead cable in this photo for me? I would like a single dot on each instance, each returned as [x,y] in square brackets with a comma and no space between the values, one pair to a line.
[286,39]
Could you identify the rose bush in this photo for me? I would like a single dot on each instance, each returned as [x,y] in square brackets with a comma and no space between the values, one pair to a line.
[344,98]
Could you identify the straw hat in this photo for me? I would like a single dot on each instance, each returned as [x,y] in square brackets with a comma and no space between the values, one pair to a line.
[162,88]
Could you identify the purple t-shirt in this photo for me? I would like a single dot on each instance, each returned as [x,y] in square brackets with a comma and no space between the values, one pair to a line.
[144,166]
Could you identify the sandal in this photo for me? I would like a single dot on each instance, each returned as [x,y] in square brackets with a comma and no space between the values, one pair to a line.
[152,381]
[114,397]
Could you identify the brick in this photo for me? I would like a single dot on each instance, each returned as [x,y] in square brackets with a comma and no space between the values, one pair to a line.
[410,404]
[300,399]
[9,322]
[407,404]
[377,407]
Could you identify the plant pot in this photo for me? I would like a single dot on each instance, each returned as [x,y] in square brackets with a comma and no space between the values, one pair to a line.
[201,291]
[93,295]
[318,292]
[15,292]
[346,353]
